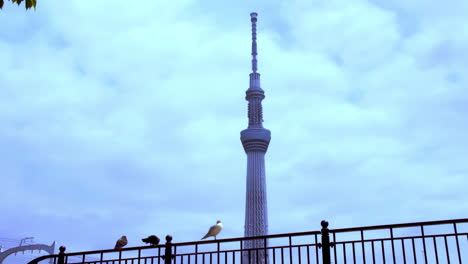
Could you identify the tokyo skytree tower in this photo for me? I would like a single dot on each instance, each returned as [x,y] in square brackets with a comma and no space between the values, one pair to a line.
[255,140]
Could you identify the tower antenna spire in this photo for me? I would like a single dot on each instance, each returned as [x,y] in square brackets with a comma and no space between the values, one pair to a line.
[253,18]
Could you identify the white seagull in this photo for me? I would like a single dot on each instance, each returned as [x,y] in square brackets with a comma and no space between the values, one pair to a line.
[214,230]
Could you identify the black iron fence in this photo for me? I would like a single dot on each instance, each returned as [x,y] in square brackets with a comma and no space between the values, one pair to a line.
[423,242]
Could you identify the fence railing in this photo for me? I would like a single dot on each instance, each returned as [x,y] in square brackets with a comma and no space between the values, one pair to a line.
[422,242]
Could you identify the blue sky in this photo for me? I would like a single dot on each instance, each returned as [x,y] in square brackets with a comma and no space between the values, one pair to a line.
[122,118]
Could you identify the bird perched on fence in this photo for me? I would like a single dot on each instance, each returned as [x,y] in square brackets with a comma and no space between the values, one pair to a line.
[214,230]
[152,240]
[122,242]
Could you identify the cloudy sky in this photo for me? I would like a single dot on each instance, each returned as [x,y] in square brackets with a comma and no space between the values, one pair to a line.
[123,118]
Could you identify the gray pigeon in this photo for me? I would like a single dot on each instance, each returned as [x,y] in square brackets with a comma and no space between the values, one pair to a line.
[122,242]
[152,240]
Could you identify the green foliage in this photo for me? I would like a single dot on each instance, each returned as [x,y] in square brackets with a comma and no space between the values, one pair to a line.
[28,3]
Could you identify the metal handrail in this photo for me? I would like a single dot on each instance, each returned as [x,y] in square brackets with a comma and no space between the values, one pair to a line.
[376,227]
[324,244]
[225,240]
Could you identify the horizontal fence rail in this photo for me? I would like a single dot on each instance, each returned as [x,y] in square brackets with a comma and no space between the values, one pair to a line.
[422,242]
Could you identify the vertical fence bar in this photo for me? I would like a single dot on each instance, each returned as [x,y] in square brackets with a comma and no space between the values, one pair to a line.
[403,248]
[316,250]
[325,243]
[456,239]
[256,255]
[414,251]
[383,251]
[168,250]
[282,255]
[218,252]
[446,249]
[334,248]
[393,245]
[61,255]
[363,250]
[265,252]
[373,252]
[308,255]
[435,249]
[159,255]
[241,252]
[274,258]
[424,243]
[344,253]
[354,253]
[196,253]
[298,254]
[290,250]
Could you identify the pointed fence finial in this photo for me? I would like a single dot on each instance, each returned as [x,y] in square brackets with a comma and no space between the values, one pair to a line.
[253,18]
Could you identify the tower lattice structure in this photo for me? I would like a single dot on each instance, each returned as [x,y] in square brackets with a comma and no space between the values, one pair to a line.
[255,140]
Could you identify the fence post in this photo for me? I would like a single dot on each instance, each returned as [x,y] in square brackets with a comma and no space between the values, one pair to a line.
[61,255]
[325,243]
[168,252]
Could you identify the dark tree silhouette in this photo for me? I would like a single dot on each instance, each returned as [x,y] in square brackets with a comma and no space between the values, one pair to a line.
[28,3]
